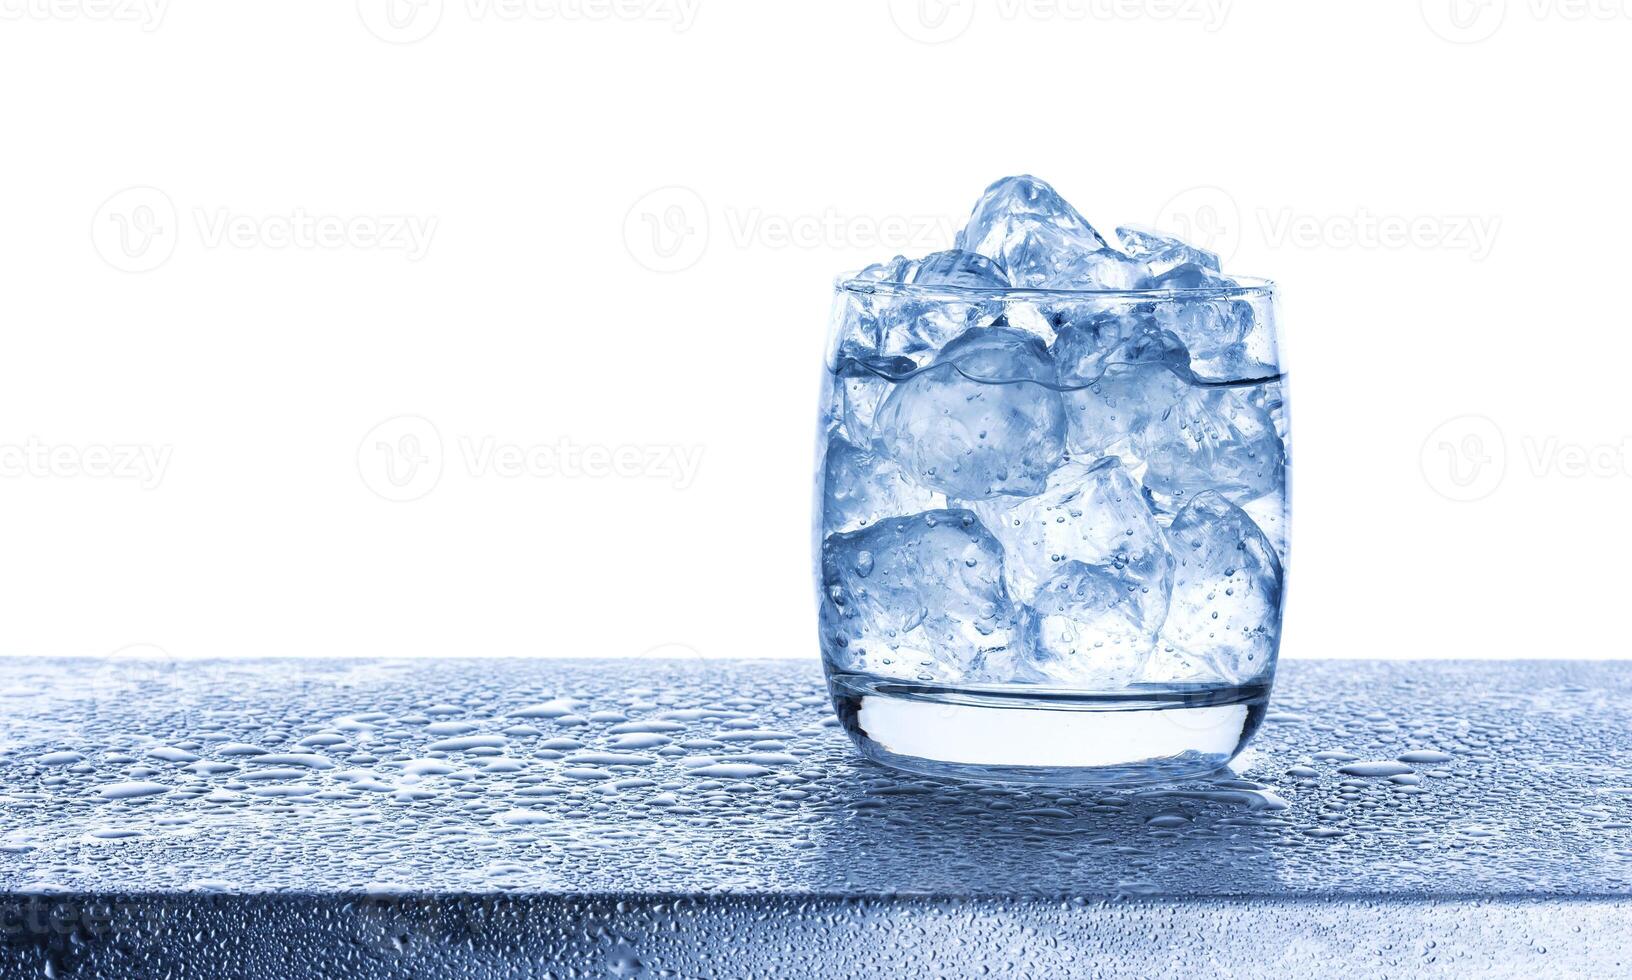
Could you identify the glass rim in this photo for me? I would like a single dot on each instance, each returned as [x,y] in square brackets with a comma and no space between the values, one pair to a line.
[1245,286]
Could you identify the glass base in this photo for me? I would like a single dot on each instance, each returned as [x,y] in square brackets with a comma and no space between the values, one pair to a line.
[1140,735]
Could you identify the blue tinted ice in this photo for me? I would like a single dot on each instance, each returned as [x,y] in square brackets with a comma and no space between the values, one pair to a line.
[1223,620]
[890,271]
[1091,628]
[1089,514]
[1191,275]
[955,268]
[984,421]
[1089,562]
[1092,409]
[911,323]
[863,385]
[1161,253]
[1039,240]
[918,597]
[863,488]
[1214,331]
[1117,373]
[1211,439]
[949,268]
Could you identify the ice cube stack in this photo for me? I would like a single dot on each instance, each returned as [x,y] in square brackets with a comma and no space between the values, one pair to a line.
[1052,459]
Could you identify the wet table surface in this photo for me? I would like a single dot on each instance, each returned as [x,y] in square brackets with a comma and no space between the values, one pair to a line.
[698,818]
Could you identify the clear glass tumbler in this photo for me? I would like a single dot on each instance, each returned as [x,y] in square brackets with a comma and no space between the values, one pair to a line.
[1051,527]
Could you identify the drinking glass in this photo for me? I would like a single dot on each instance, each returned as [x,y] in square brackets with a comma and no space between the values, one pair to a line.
[1051,527]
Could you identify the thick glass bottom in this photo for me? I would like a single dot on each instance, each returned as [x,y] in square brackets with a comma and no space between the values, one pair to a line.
[1140,735]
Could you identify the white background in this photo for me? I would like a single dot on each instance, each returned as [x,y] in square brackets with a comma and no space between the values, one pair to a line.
[1444,201]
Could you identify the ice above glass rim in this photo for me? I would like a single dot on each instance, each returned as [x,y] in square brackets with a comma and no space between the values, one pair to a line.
[1241,286]
[1052,459]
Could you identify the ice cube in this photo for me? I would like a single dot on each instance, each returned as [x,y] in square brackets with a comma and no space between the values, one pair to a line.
[1269,512]
[908,323]
[918,597]
[1211,439]
[1089,514]
[1089,562]
[1224,619]
[1117,371]
[890,271]
[1092,628]
[853,333]
[879,321]
[1217,323]
[969,270]
[860,488]
[985,420]
[1041,241]
[1106,269]
[1161,253]
[1191,275]
[863,384]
